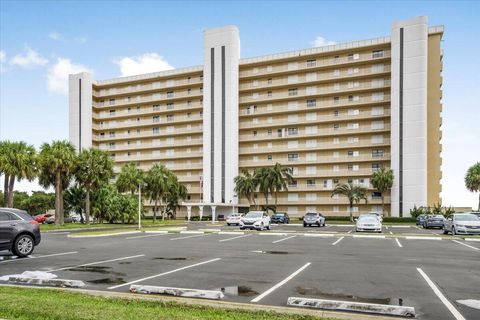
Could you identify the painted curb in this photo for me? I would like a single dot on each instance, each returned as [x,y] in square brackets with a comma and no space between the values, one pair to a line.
[192,232]
[274,234]
[164,232]
[382,309]
[177,292]
[232,232]
[62,283]
[473,239]
[422,238]
[319,234]
[370,236]
[102,235]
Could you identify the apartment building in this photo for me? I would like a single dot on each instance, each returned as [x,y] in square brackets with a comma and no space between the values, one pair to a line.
[334,114]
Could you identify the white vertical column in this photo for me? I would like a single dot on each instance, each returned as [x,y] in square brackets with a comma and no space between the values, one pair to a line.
[409,114]
[80,110]
[220,113]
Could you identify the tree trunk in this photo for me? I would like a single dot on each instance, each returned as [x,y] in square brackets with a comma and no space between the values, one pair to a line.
[155,211]
[57,197]
[478,202]
[62,216]
[383,205]
[351,213]
[11,183]
[87,207]
[81,217]
[5,190]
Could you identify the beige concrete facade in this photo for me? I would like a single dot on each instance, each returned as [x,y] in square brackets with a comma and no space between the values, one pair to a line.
[325,112]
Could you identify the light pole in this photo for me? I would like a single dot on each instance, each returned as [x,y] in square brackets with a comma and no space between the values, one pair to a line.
[139,206]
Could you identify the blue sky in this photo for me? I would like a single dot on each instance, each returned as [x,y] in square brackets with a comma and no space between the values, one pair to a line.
[40,41]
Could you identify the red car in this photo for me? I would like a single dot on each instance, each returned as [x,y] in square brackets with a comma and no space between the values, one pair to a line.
[40,218]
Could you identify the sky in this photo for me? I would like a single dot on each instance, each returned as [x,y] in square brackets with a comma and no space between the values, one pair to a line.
[41,42]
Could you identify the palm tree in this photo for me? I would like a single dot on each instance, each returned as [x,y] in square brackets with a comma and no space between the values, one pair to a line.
[129,178]
[94,169]
[18,162]
[382,180]
[74,198]
[472,180]
[176,193]
[245,186]
[57,162]
[353,193]
[156,185]
[262,178]
[280,177]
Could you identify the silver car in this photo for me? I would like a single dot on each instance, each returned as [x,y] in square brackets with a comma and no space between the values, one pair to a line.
[314,219]
[462,223]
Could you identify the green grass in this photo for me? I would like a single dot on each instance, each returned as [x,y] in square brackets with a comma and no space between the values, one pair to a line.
[27,303]
[145,223]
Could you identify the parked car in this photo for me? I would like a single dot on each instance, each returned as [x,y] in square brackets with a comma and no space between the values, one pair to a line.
[234,219]
[377,214]
[280,217]
[368,223]
[258,220]
[314,218]
[476,213]
[433,221]
[462,223]
[421,219]
[40,218]
[19,232]
[49,218]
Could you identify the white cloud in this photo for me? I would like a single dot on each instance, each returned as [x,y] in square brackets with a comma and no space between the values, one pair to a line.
[321,41]
[146,63]
[28,58]
[3,59]
[57,77]
[55,36]
[81,40]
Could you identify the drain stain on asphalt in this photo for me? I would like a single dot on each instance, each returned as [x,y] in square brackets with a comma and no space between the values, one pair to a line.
[125,262]
[242,291]
[107,281]
[96,269]
[173,259]
[327,295]
[271,252]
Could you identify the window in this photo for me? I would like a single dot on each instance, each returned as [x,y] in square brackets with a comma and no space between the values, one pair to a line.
[254,120]
[170,140]
[336,86]
[255,83]
[156,130]
[353,84]
[292,184]
[269,145]
[336,154]
[311,156]
[311,63]
[311,103]
[293,92]
[376,166]
[292,144]
[353,154]
[269,81]
[377,111]
[353,112]
[377,96]
[279,133]
[170,83]
[377,53]
[353,56]
[377,68]
[170,94]
[310,183]
[311,90]
[353,126]
[112,145]
[292,79]
[189,114]
[327,184]
[377,138]
[255,158]
[377,153]
[112,134]
[353,70]
[336,168]
[293,197]
[269,120]
[311,116]
[336,72]
[293,157]
[112,112]
[311,76]
[269,157]
[353,98]
[292,66]
[311,196]
[255,70]
[269,132]
[170,106]
[310,129]
[292,105]
[353,139]
[377,83]
[353,167]
[255,133]
[335,113]
[169,117]
[269,93]
[292,118]
[155,96]
[189,91]
[170,129]
[336,58]
[269,107]
[255,95]
[269,68]
[377,125]
[292,131]
[336,140]
[311,143]
[111,102]
[336,100]
[170,152]
[311,170]
[189,103]
[156,107]
[336,126]
[156,118]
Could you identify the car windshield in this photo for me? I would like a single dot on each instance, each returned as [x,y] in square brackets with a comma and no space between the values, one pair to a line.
[437,217]
[467,217]
[233,215]
[311,214]
[254,214]
[368,219]
[280,214]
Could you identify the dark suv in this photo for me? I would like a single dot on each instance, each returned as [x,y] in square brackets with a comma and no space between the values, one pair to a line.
[280,217]
[19,232]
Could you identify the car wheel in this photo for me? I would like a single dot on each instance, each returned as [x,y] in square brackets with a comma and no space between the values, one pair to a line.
[242,228]
[23,246]
[454,232]
[268,227]
[228,224]
[445,231]
[319,224]
[304,224]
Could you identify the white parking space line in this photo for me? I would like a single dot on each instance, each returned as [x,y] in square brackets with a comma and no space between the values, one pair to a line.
[386,227]
[188,237]
[370,236]
[237,237]
[421,238]
[440,295]
[164,273]
[391,232]
[56,233]
[281,283]
[337,241]
[466,245]
[97,262]
[284,239]
[398,242]
[41,256]
[350,231]
[147,236]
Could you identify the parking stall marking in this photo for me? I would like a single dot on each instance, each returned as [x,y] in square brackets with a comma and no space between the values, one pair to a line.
[284,239]
[439,294]
[188,237]
[337,241]
[41,256]
[164,273]
[398,242]
[466,245]
[97,262]
[281,283]
[237,237]
[350,231]
[146,236]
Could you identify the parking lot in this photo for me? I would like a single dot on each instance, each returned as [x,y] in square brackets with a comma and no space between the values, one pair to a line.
[268,267]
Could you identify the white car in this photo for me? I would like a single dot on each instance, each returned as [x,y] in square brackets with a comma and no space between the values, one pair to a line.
[258,220]
[368,223]
[374,214]
[234,219]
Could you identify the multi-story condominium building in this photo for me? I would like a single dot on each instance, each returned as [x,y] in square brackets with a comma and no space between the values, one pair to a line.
[334,114]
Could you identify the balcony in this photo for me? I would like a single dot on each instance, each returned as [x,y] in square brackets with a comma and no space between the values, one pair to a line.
[283,147]
[250,163]
[147,99]
[105,115]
